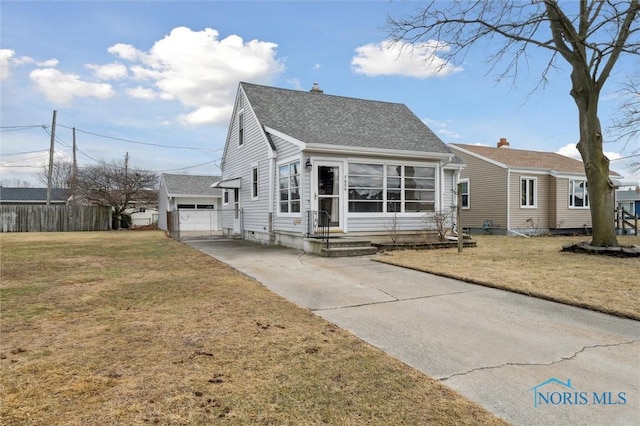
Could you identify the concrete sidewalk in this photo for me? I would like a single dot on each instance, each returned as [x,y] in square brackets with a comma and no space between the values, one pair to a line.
[497,348]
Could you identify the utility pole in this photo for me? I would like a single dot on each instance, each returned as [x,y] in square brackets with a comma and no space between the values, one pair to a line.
[74,171]
[51,150]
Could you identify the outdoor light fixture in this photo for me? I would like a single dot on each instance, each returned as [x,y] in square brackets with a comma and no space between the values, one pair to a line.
[308,164]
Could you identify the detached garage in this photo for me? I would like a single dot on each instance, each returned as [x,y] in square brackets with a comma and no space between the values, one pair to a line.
[188,206]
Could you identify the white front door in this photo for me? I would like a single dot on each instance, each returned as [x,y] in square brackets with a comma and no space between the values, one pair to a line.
[328,179]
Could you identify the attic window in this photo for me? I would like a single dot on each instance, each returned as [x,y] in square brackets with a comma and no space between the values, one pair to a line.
[241,129]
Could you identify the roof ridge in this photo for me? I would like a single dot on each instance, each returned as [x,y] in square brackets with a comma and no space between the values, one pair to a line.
[304,92]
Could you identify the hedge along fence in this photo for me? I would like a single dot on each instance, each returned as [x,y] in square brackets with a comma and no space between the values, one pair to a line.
[54,218]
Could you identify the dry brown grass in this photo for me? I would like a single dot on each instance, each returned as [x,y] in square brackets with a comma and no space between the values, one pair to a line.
[135,328]
[537,267]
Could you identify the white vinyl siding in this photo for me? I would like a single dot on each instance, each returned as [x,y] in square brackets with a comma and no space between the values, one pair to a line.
[239,161]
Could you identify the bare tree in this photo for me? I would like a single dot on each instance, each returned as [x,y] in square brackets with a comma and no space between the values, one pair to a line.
[116,185]
[589,35]
[61,175]
[626,123]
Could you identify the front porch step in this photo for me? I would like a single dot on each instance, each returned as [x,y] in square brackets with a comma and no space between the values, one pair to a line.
[343,247]
[348,251]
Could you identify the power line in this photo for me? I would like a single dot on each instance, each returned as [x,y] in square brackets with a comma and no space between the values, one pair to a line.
[132,141]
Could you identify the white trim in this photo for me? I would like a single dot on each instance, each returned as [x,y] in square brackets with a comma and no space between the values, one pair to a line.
[481,157]
[286,137]
[377,152]
[228,183]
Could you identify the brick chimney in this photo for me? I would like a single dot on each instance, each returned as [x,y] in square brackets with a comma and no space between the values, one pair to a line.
[316,89]
[503,143]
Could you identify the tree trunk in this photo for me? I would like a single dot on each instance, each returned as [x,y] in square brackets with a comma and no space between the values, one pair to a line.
[596,164]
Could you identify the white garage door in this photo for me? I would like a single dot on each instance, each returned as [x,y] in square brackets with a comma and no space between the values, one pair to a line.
[198,220]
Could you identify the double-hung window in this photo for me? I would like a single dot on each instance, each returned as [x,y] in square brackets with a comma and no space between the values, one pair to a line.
[464,191]
[528,192]
[289,188]
[240,129]
[578,193]
[254,182]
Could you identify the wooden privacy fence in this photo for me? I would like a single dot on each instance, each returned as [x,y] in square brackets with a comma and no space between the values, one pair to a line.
[54,218]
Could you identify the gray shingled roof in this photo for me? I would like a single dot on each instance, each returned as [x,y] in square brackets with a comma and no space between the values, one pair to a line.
[335,120]
[34,195]
[191,185]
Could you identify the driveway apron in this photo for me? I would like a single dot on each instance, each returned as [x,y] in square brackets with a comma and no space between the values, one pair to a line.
[527,360]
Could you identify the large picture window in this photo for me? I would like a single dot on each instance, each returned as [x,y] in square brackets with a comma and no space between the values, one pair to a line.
[289,188]
[578,193]
[377,188]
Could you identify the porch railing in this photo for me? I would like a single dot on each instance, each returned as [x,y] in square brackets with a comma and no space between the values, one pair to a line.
[624,219]
[318,225]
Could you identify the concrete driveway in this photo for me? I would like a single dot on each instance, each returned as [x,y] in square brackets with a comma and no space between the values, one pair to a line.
[529,361]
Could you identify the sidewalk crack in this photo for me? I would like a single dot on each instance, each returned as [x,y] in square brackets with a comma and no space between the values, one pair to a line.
[519,364]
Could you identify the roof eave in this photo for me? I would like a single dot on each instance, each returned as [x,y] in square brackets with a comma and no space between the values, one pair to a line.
[377,152]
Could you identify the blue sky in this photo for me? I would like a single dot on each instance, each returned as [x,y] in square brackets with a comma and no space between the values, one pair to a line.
[157,80]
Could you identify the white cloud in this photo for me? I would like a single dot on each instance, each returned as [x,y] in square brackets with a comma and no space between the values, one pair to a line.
[418,60]
[142,93]
[441,128]
[5,57]
[125,51]
[207,114]
[62,88]
[200,70]
[570,150]
[114,71]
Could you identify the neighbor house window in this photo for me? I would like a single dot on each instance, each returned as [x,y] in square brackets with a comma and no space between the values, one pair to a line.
[578,193]
[527,192]
[464,184]
[377,188]
[241,129]
[254,182]
[289,188]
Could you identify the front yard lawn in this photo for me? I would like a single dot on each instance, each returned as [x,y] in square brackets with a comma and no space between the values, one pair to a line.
[135,328]
[536,266]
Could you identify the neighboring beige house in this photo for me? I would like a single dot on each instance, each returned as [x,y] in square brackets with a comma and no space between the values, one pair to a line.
[516,191]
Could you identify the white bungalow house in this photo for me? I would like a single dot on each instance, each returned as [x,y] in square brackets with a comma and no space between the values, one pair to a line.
[298,165]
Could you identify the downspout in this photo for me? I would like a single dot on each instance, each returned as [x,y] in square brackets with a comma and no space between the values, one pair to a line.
[272,157]
[509,230]
[508,198]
